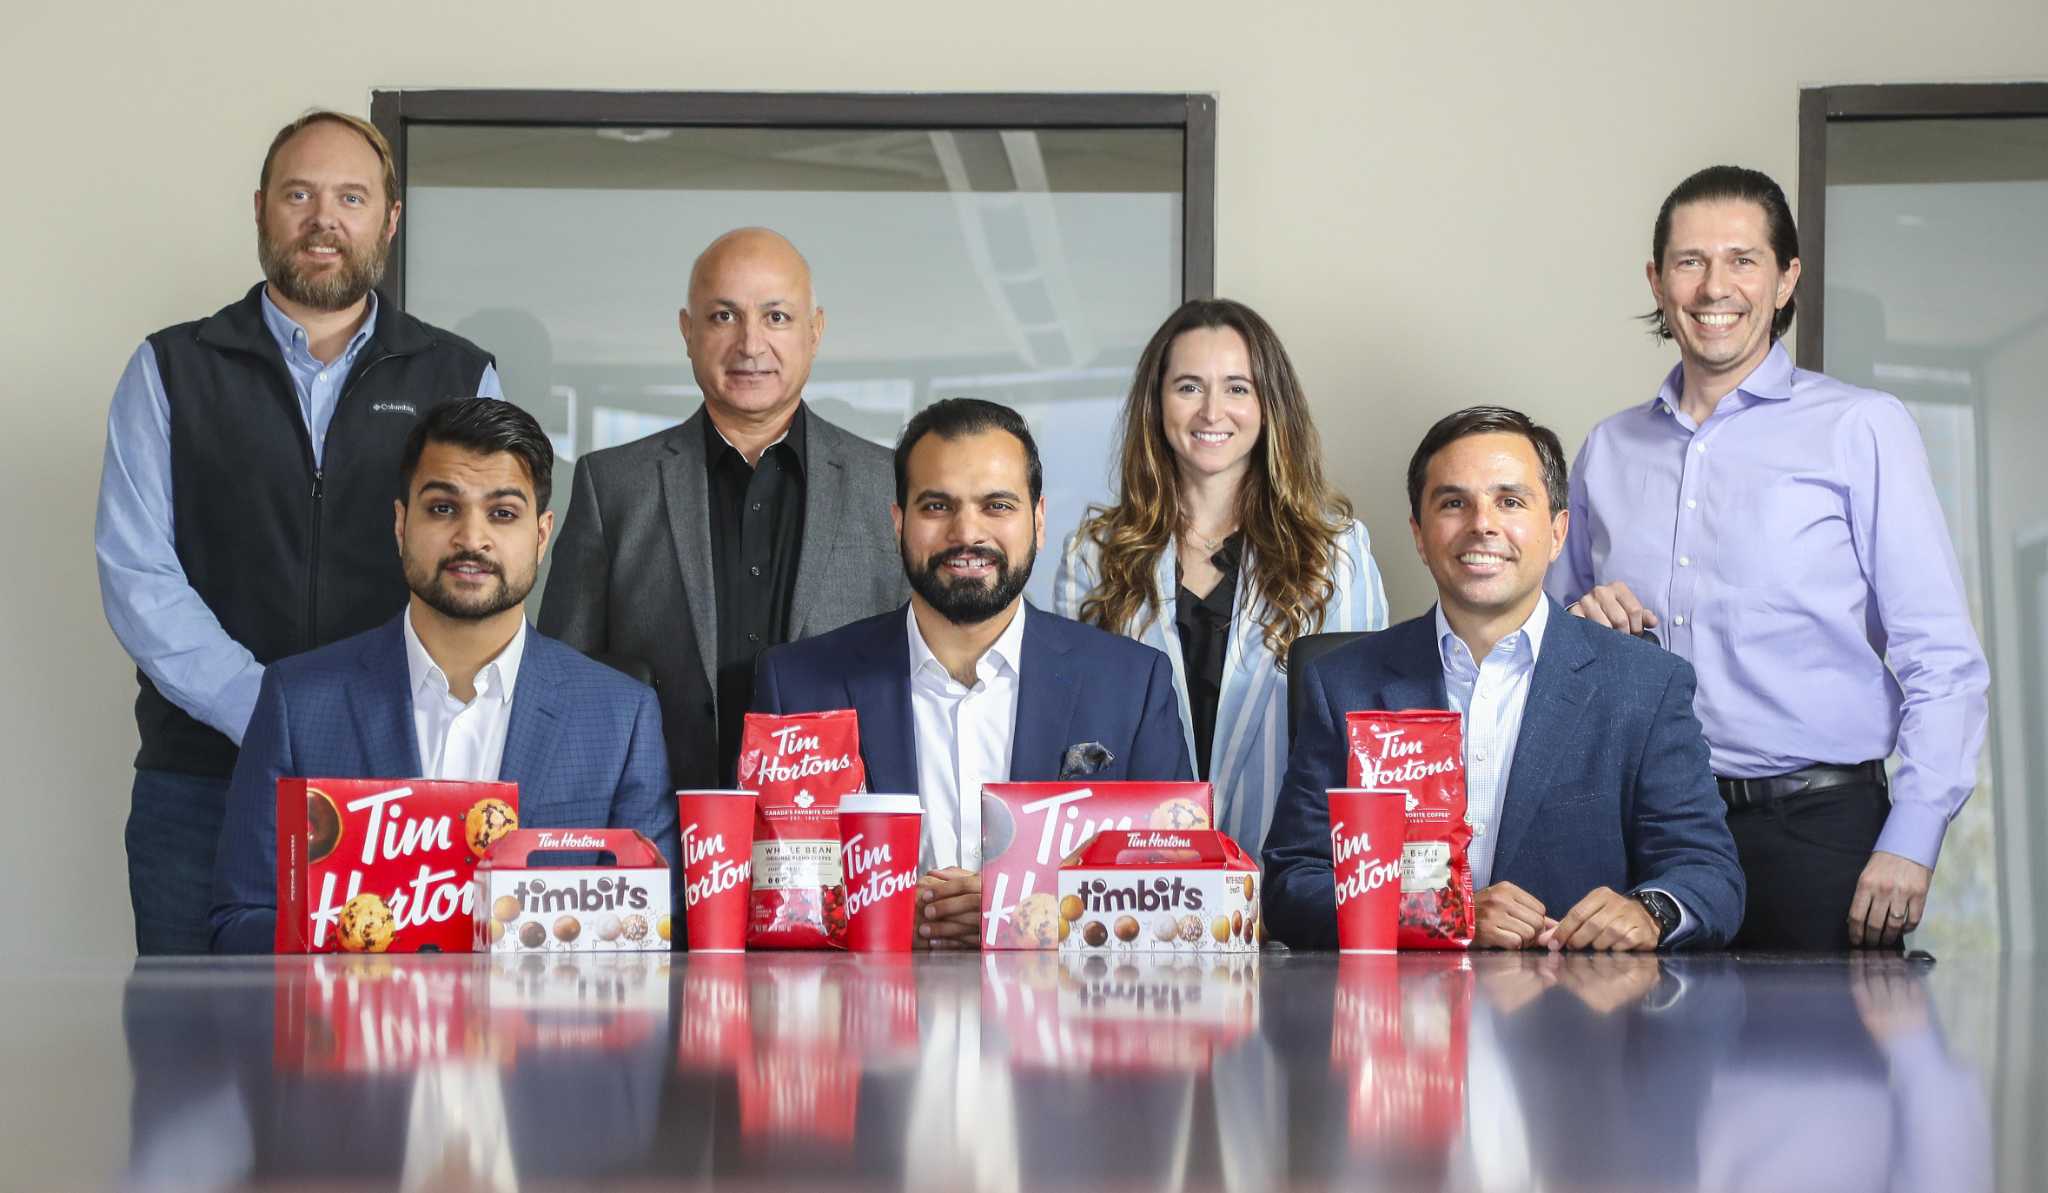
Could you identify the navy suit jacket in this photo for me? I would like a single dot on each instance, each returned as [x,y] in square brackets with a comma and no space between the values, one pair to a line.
[1610,784]
[584,745]
[1075,684]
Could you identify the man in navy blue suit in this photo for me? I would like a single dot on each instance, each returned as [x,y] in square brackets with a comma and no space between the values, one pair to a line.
[456,687]
[1595,820]
[969,683]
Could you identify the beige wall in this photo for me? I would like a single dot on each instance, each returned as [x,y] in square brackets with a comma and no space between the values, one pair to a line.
[1436,204]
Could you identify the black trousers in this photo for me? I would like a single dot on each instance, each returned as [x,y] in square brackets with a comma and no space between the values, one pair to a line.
[1802,857]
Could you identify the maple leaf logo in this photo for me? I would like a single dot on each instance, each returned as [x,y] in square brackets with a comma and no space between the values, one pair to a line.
[804,799]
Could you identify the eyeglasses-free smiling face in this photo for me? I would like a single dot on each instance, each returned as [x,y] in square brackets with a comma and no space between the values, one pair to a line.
[751,328]
[1485,527]
[1720,285]
[970,515]
[324,224]
[1208,404]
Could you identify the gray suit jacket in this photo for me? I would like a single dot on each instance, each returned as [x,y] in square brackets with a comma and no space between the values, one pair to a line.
[632,578]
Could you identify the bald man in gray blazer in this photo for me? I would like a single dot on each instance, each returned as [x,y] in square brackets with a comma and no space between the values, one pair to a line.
[754,522]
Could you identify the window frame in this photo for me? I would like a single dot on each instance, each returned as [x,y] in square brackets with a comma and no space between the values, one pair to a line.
[1193,115]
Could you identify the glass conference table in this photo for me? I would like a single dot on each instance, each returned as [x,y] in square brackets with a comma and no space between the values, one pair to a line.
[1026,1071]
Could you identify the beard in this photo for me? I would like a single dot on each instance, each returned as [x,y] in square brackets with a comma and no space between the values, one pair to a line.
[969,602]
[431,586]
[355,273]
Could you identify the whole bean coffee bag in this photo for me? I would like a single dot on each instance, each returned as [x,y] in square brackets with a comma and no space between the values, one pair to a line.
[799,765]
[1421,754]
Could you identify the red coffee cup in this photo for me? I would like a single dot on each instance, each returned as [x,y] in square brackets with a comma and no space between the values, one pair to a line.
[1366,831]
[716,832]
[878,851]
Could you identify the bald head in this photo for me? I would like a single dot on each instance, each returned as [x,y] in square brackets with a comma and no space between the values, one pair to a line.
[752,328]
[744,247]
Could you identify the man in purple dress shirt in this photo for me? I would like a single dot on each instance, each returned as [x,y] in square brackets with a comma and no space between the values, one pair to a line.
[1780,530]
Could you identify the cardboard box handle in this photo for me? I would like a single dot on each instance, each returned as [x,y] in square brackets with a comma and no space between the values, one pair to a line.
[1109,846]
[628,847]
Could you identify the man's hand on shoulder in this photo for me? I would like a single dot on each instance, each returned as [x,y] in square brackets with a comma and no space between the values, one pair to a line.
[1510,918]
[1615,607]
[1607,921]
[1889,899]
[949,909]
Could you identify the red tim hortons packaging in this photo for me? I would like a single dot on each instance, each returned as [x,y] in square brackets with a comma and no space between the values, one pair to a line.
[1422,754]
[799,765]
[1027,828]
[383,865]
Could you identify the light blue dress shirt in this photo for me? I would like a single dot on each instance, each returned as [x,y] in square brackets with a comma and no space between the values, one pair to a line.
[1793,549]
[159,618]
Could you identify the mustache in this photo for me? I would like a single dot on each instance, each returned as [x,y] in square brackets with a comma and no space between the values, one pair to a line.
[471,557]
[990,555]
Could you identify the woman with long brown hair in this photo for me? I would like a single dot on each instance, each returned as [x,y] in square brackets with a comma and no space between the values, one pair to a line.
[1224,546]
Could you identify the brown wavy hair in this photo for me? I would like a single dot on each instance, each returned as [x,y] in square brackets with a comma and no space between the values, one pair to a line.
[1289,515]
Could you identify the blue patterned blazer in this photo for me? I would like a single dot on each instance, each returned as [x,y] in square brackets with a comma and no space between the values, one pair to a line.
[1609,785]
[584,745]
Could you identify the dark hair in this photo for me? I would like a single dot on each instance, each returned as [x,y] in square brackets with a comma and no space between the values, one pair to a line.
[952,418]
[485,426]
[1490,420]
[1716,183]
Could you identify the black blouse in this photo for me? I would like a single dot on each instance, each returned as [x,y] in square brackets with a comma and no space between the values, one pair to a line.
[1204,625]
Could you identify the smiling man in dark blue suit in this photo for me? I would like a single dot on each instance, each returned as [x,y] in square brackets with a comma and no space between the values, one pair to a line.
[456,687]
[969,683]
[1596,822]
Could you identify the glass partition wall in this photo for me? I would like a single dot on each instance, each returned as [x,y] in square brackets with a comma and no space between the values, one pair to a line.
[1015,248]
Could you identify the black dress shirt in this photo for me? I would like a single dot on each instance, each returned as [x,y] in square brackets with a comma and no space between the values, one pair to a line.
[757,531]
[1204,625]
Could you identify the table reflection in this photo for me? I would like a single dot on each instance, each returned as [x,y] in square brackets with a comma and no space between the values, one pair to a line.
[1020,1070]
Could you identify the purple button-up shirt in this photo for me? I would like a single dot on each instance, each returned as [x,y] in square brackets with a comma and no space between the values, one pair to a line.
[1789,546]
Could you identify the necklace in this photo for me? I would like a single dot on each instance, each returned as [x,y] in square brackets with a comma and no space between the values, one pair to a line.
[1203,543]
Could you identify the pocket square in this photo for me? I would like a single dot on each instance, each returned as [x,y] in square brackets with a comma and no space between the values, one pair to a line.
[1085,758]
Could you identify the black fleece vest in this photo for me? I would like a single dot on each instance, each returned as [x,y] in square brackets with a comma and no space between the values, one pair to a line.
[287,557]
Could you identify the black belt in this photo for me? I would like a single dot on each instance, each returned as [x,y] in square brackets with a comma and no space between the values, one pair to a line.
[1749,793]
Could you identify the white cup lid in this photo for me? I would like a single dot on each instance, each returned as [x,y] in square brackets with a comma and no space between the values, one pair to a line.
[868,801]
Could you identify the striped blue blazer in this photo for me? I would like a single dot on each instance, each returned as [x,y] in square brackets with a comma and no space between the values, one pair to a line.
[1249,754]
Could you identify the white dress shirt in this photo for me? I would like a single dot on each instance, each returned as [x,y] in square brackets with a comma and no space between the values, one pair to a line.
[1490,695]
[963,739]
[457,740]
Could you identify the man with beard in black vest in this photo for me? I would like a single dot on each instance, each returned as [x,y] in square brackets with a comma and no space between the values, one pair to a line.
[245,500]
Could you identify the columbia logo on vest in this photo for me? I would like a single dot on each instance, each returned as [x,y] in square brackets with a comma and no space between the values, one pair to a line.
[394,408]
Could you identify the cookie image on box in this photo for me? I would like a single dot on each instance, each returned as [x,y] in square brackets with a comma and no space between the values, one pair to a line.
[367,924]
[1179,813]
[323,826]
[488,820]
[1037,921]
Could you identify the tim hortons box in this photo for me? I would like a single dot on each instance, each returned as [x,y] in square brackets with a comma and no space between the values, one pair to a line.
[383,865]
[528,907]
[1026,828]
[1154,890]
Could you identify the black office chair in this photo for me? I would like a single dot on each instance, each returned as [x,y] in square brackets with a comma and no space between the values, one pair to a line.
[1307,648]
